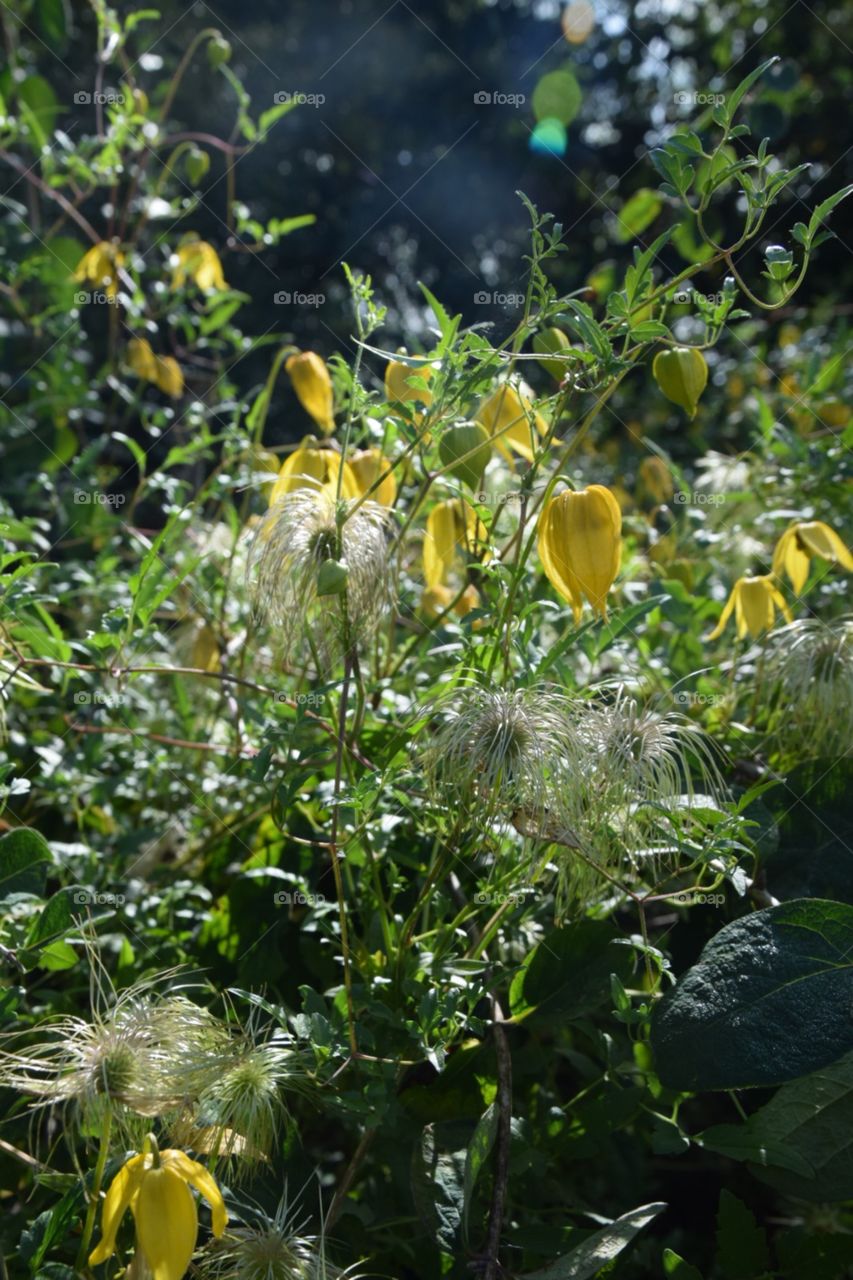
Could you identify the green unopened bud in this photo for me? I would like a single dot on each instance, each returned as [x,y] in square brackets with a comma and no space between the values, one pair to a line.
[218,51]
[332,578]
[197,163]
[552,342]
[465,450]
[780,262]
[681,375]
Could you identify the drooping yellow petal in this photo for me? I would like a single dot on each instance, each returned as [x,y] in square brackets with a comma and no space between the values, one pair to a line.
[100,266]
[166,1222]
[754,606]
[170,378]
[510,418]
[122,1189]
[580,545]
[199,1177]
[820,540]
[313,386]
[440,541]
[367,467]
[790,558]
[141,359]
[724,616]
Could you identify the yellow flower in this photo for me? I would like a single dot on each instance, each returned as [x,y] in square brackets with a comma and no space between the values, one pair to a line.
[155,1187]
[451,527]
[511,420]
[655,479]
[198,261]
[435,600]
[163,371]
[310,468]
[580,546]
[100,267]
[367,466]
[802,541]
[313,387]
[397,387]
[754,602]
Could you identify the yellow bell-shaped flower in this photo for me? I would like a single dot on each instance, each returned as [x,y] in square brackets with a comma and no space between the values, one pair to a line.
[368,466]
[155,1187]
[397,388]
[451,527]
[803,540]
[655,479]
[313,387]
[310,468]
[754,602]
[511,420]
[100,266]
[198,261]
[580,546]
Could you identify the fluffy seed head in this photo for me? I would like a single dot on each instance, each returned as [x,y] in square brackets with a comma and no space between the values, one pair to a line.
[809,682]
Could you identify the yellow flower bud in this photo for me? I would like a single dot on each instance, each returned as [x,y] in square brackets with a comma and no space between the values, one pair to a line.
[655,479]
[198,261]
[580,546]
[313,386]
[367,467]
[754,602]
[310,468]
[552,342]
[465,450]
[803,540]
[511,420]
[681,375]
[163,371]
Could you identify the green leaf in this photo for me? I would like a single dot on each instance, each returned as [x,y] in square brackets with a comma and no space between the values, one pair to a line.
[479,1149]
[637,214]
[734,99]
[24,860]
[675,1268]
[768,1001]
[599,1248]
[750,1142]
[268,118]
[568,974]
[51,20]
[437,1179]
[742,1252]
[825,208]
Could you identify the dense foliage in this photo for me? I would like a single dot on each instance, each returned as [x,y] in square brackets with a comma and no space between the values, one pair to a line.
[424,828]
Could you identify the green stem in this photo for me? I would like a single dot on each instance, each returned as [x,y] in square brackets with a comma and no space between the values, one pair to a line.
[95,1192]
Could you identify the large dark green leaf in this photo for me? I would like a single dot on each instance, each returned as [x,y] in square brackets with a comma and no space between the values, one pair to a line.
[769,1000]
[568,974]
[24,859]
[802,1140]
